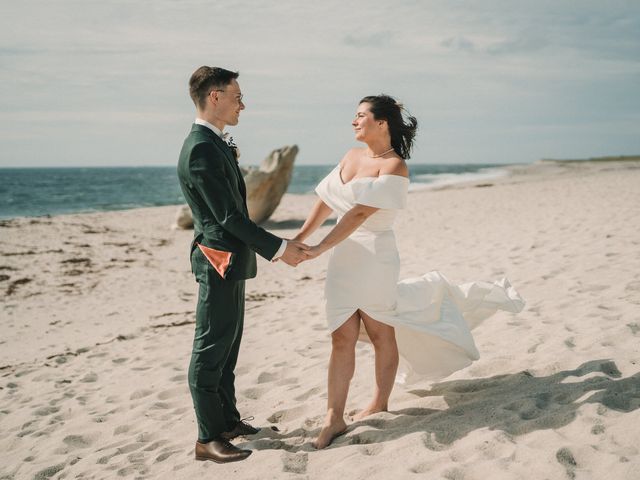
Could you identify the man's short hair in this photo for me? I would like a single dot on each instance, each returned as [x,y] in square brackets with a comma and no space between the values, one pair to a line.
[205,79]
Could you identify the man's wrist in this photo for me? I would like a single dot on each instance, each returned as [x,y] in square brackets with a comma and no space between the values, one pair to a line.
[280,252]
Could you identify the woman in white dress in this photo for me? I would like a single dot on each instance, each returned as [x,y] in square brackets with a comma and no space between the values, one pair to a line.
[426,319]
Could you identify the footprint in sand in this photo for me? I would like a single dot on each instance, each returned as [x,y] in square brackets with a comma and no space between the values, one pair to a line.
[533,348]
[566,459]
[90,378]
[632,286]
[287,381]
[294,462]
[98,355]
[79,441]
[453,474]
[104,460]
[173,392]
[592,288]
[24,433]
[136,457]
[58,419]
[286,415]
[121,429]
[140,369]
[266,377]
[363,438]
[28,424]
[253,393]
[529,414]
[49,472]
[129,448]
[142,470]
[179,378]
[421,468]
[44,411]
[179,411]
[138,394]
[634,327]
[163,456]
[309,393]
[370,450]
[156,445]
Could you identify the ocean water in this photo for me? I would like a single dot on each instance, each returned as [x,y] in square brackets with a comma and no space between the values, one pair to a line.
[52,191]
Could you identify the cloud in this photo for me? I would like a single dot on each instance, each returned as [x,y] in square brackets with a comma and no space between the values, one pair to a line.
[377,39]
[6,51]
[458,43]
[519,45]
[71,68]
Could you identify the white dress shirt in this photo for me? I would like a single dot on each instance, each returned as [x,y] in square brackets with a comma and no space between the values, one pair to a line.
[210,126]
[217,131]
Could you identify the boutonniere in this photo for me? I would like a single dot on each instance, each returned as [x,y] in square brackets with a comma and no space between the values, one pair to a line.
[232,145]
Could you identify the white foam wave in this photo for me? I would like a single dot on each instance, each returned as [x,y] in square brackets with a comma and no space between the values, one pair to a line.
[437,180]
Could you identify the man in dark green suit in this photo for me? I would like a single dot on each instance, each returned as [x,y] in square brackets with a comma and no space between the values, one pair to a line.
[222,257]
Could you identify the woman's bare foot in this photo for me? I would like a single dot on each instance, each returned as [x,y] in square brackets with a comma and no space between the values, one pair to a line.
[333,427]
[370,410]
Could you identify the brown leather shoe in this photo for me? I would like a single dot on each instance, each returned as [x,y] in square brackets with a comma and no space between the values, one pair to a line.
[220,451]
[242,428]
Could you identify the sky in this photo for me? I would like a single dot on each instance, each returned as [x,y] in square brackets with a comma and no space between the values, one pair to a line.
[105,83]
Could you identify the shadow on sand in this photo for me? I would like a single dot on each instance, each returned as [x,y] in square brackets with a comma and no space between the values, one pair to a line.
[516,403]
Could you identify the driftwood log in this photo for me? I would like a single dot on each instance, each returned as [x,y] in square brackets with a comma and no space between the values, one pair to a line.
[265,186]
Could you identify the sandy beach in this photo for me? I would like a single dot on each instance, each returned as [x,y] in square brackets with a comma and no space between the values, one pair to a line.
[97,324]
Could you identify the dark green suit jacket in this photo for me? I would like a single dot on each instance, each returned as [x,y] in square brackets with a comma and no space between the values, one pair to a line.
[213,186]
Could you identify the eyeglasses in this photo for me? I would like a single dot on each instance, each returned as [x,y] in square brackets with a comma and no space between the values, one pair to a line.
[239,96]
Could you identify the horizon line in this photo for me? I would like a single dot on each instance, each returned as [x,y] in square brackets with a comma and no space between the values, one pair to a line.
[26,167]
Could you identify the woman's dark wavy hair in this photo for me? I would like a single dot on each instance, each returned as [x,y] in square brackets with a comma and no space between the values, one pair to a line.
[402,131]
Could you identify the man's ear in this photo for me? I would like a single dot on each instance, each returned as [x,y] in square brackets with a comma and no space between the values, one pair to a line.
[212,97]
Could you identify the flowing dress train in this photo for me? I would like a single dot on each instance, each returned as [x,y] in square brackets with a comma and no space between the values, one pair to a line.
[432,317]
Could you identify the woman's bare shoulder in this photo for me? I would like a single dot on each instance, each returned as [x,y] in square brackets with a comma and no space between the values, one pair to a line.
[394,166]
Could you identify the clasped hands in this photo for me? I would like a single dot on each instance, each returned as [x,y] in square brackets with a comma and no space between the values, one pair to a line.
[297,252]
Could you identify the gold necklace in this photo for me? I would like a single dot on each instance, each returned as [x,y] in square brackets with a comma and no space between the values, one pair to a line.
[381,154]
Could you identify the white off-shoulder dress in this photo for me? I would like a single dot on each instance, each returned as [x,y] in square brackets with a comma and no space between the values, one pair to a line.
[431,316]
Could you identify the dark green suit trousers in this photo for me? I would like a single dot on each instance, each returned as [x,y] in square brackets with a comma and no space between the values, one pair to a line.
[216,343]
